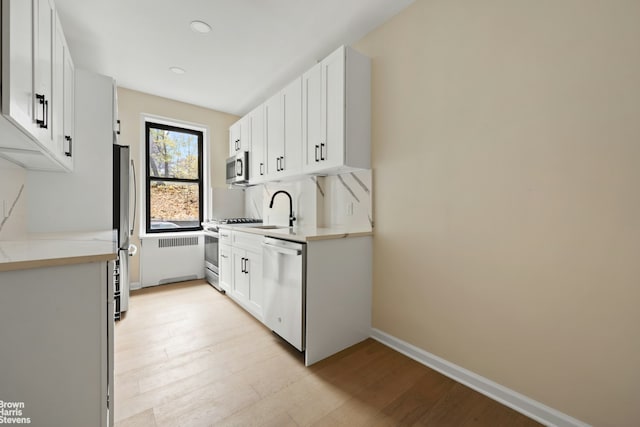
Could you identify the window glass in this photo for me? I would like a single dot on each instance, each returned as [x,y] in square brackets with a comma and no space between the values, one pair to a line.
[174,178]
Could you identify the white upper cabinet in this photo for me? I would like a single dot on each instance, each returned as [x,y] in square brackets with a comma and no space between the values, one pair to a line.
[257,157]
[43,71]
[35,79]
[292,105]
[318,124]
[69,104]
[63,122]
[239,136]
[283,113]
[274,119]
[336,113]
[17,65]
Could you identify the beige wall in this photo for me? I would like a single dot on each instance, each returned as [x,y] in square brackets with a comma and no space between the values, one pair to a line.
[131,107]
[506,156]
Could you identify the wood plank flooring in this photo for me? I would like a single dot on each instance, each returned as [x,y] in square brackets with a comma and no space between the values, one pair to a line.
[186,355]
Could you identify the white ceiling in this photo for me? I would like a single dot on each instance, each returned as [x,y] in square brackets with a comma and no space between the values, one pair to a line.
[254,49]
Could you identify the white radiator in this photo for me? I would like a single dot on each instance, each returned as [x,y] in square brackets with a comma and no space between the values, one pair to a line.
[171,259]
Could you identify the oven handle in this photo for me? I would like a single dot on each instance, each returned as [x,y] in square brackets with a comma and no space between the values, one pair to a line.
[212,233]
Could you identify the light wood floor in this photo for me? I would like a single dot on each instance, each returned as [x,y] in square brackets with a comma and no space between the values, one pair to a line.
[187,355]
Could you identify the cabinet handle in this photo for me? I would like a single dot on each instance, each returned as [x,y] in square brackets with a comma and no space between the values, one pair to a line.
[224,256]
[261,168]
[118,129]
[246,266]
[317,157]
[282,163]
[46,114]
[242,265]
[43,103]
[278,167]
[237,144]
[70,141]
[322,150]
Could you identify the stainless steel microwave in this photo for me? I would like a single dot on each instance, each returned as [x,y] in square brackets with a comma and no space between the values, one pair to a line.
[238,168]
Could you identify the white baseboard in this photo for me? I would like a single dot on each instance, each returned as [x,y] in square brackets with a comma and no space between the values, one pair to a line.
[135,285]
[529,407]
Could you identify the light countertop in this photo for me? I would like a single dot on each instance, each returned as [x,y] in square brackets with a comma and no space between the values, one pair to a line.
[301,234]
[54,249]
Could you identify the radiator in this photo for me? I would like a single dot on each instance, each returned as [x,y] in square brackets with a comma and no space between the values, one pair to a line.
[171,259]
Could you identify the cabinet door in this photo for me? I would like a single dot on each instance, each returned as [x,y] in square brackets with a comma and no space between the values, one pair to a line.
[57,93]
[42,70]
[69,104]
[274,119]
[256,291]
[333,110]
[245,134]
[234,138]
[311,118]
[240,281]
[292,106]
[225,268]
[257,156]
[17,66]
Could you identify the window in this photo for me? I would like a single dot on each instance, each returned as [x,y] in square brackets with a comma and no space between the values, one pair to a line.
[174,178]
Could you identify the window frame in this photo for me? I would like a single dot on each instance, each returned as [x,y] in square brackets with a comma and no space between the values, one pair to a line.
[149,124]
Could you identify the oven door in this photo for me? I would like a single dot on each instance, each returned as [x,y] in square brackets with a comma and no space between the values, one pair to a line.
[211,244]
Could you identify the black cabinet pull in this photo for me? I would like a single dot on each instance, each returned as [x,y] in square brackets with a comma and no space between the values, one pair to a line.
[322,151]
[282,163]
[261,168]
[317,157]
[44,104]
[242,265]
[246,266]
[70,142]
[46,114]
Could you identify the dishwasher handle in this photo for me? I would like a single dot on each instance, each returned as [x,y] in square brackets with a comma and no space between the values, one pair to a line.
[286,251]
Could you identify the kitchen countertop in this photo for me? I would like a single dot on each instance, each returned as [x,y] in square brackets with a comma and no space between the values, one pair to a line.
[301,234]
[54,249]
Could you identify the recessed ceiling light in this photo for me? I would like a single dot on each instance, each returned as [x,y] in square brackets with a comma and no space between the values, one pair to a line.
[177,70]
[200,27]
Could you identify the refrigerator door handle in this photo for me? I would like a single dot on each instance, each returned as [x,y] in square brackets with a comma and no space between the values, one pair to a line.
[135,197]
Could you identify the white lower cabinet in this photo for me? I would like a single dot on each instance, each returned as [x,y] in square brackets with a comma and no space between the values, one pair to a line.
[246,269]
[224,266]
[56,357]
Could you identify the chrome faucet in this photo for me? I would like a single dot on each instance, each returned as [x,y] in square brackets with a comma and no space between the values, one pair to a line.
[291,217]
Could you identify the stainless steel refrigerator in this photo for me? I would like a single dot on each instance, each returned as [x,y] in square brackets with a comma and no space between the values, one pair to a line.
[123,222]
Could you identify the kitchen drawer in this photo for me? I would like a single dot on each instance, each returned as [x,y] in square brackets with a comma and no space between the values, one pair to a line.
[246,240]
[224,236]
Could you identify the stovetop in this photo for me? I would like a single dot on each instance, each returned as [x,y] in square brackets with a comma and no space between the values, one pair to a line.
[213,224]
[236,221]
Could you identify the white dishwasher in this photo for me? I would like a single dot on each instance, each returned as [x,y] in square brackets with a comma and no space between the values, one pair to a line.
[284,273]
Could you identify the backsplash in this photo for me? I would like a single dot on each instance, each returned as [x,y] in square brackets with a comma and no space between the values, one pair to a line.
[13,201]
[342,201]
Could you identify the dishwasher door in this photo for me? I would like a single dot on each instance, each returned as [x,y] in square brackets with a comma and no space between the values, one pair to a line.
[284,265]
